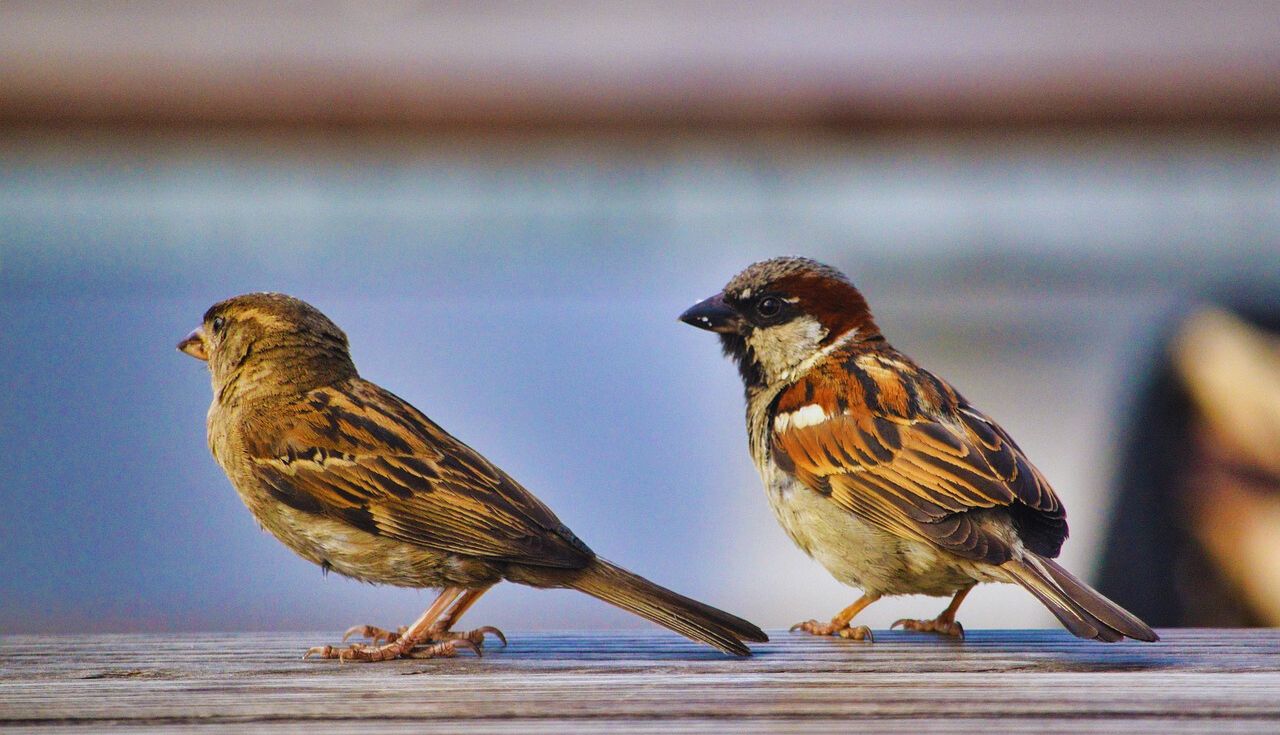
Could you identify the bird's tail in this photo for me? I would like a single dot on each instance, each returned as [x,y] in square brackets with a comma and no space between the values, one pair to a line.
[1082,609]
[688,617]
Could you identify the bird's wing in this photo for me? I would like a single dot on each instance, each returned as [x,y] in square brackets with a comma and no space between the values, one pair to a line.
[358,453]
[897,447]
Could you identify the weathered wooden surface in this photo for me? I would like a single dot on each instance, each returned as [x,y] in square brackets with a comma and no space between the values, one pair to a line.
[994,682]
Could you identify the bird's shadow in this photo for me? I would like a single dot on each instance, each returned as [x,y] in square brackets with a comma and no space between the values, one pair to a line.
[1045,651]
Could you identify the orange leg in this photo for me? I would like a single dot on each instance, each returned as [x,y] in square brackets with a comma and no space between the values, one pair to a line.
[442,628]
[432,627]
[945,623]
[839,625]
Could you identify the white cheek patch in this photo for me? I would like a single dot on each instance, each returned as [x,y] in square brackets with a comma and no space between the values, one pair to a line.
[810,415]
[782,348]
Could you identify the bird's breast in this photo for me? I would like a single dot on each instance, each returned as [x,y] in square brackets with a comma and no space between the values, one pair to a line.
[332,542]
[855,551]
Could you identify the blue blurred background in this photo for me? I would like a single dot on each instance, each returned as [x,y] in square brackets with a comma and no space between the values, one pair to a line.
[506,207]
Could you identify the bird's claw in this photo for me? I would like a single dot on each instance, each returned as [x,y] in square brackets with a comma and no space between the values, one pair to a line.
[321,651]
[360,652]
[941,626]
[843,630]
[435,644]
[856,633]
[373,633]
[809,626]
[490,629]
[475,636]
[446,649]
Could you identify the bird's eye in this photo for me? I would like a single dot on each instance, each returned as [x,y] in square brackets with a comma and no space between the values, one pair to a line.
[218,323]
[769,306]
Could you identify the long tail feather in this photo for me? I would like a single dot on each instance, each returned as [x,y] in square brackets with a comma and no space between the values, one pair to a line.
[1083,610]
[688,617]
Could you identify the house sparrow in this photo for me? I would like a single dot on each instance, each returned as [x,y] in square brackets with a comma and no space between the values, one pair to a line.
[360,482]
[879,469]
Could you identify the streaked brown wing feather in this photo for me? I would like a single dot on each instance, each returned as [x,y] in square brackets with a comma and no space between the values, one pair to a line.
[919,465]
[358,453]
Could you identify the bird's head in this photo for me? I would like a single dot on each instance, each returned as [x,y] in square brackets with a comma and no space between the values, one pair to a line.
[778,314]
[268,341]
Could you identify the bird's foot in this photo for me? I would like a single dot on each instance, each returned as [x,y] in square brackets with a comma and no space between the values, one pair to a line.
[374,634]
[835,627]
[400,648]
[942,625]
[437,642]
[378,635]
[475,636]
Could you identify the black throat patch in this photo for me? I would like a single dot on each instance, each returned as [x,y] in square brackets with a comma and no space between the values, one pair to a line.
[735,346]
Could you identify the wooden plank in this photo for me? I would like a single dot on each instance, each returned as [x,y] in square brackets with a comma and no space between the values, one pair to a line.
[1012,681]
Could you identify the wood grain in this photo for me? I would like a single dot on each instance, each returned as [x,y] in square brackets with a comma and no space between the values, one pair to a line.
[995,681]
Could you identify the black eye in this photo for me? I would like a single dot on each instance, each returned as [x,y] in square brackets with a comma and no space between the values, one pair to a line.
[218,323]
[769,306]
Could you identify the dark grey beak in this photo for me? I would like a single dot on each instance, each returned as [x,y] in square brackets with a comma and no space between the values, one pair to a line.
[713,315]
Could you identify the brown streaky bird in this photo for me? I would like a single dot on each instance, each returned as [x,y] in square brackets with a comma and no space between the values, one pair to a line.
[880,470]
[356,480]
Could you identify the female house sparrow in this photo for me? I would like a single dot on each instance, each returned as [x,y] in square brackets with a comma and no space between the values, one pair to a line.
[882,471]
[358,481]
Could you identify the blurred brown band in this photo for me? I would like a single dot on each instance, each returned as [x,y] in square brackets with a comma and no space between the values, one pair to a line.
[448,63]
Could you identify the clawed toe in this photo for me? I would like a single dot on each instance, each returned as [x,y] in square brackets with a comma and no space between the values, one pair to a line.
[356,652]
[373,633]
[811,626]
[429,636]
[856,633]
[447,649]
[477,636]
[321,651]
[361,652]
[844,630]
[434,644]
[941,626]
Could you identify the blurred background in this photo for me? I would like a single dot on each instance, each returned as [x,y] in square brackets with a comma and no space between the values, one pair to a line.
[506,206]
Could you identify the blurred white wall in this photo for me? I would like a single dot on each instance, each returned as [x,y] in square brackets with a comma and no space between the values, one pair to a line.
[506,205]
[524,294]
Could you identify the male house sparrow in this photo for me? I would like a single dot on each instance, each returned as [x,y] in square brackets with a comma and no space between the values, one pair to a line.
[358,481]
[882,471]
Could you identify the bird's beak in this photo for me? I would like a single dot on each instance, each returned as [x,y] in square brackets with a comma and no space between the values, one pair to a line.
[713,315]
[194,345]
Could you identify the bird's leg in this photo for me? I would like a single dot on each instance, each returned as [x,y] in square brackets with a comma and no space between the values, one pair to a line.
[839,625]
[441,629]
[408,643]
[945,623]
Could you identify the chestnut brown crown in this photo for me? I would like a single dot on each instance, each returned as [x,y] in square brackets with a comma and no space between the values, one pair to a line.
[777,313]
[806,287]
